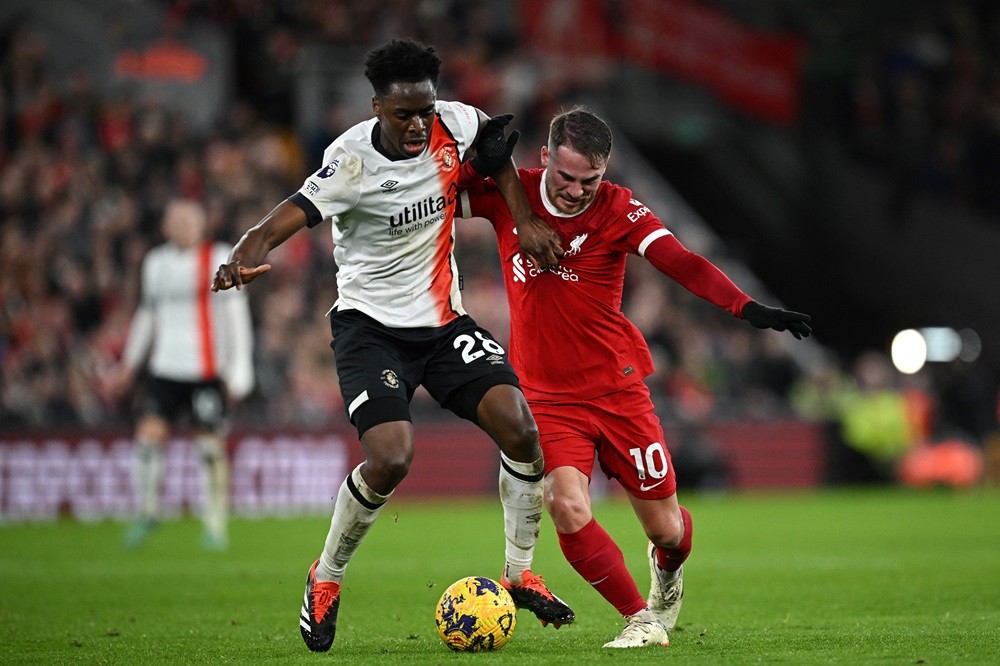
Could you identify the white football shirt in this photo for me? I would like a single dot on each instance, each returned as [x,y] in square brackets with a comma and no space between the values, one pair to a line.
[393,221]
[183,330]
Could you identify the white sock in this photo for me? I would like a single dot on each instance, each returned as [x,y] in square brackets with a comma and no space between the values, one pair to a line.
[214,478]
[521,497]
[357,508]
[147,477]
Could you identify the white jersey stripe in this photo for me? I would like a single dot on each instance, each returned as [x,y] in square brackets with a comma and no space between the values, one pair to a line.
[659,233]
[357,402]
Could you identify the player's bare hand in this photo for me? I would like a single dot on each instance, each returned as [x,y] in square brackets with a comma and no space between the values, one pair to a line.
[539,242]
[234,275]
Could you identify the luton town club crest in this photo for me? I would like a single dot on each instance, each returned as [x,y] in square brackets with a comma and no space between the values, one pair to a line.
[447,159]
[389,379]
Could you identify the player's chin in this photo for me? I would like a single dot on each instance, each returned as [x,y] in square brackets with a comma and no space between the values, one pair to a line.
[570,207]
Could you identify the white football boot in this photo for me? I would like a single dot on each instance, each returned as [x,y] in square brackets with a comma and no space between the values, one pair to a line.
[665,593]
[641,630]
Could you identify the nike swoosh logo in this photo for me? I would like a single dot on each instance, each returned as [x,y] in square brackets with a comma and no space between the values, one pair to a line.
[643,487]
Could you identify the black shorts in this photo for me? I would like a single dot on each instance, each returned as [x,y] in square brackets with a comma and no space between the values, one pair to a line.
[203,402]
[375,361]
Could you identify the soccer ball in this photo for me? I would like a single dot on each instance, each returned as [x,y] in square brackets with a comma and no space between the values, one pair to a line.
[475,614]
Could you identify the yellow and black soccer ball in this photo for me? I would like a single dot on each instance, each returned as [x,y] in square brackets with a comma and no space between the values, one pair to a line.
[475,614]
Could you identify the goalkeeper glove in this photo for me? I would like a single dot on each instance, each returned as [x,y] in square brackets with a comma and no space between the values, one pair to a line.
[493,149]
[762,316]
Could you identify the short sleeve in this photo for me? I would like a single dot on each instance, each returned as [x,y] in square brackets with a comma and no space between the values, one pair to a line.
[335,188]
[462,121]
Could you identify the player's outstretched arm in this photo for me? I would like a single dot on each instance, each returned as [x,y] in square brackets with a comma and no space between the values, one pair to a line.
[245,260]
[493,158]
[763,316]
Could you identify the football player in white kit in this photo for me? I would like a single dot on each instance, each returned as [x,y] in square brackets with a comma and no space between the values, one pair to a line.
[388,186]
[198,349]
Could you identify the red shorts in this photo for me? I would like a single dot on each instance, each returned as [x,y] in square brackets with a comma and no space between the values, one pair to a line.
[624,430]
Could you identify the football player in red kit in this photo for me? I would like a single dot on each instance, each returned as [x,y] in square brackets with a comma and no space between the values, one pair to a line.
[582,362]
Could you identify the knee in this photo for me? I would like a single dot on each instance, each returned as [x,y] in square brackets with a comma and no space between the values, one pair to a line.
[667,533]
[569,514]
[389,466]
[505,416]
[518,439]
[152,429]
[523,438]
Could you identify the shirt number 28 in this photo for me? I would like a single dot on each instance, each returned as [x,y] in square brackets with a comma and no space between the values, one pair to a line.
[469,344]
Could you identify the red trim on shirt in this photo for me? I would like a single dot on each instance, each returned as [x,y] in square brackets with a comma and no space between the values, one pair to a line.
[208,370]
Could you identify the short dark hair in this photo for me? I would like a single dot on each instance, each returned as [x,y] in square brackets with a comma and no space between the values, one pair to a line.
[583,131]
[401,60]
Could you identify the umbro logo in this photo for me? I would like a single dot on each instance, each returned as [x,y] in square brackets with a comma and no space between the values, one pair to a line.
[389,185]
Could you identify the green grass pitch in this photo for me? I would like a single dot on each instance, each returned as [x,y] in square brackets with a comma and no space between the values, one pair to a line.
[836,577]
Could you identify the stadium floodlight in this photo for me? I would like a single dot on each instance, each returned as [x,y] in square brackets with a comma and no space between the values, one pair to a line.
[971,345]
[909,351]
[943,344]
[913,348]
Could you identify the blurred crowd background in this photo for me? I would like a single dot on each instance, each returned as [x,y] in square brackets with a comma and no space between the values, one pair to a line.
[87,164]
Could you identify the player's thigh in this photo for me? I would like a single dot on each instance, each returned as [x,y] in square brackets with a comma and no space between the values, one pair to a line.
[466,364]
[567,436]
[371,365]
[634,449]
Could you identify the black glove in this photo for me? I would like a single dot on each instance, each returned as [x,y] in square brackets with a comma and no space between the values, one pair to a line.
[493,149]
[763,316]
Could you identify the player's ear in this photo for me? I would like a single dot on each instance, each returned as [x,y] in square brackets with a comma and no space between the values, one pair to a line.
[545,156]
[375,105]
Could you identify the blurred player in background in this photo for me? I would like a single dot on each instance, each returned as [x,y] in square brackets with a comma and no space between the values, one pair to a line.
[582,363]
[197,348]
[388,185]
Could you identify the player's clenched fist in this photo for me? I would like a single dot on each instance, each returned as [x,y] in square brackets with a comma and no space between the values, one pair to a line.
[234,275]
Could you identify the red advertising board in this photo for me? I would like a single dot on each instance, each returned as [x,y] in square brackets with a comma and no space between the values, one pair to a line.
[755,71]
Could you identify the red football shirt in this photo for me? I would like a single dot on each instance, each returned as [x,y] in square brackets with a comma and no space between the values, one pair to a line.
[568,335]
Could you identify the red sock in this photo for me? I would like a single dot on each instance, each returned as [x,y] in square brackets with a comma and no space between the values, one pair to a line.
[596,557]
[671,559]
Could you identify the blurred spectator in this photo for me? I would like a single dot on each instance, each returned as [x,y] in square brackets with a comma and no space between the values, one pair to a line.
[873,416]
[926,104]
